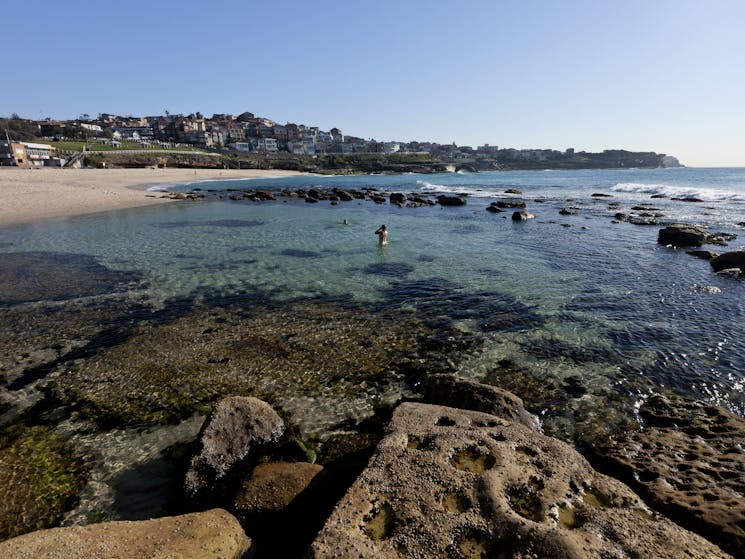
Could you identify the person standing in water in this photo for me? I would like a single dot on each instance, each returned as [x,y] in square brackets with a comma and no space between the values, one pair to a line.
[382,234]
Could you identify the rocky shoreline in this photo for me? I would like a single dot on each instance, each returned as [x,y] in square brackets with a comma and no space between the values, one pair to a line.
[202,416]
[473,479]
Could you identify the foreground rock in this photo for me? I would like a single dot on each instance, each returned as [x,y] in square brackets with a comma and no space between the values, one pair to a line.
[211,534]
[688,463]
[272,487]
[237,426]
[454,392]
[454,483]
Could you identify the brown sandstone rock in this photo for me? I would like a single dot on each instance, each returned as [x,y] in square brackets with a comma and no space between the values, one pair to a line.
[272,487]
[463,484]
[454,392]
[235,428]
[203,535]
[688,463]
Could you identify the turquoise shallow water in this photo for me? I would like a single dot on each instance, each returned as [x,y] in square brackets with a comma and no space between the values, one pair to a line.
[616,308]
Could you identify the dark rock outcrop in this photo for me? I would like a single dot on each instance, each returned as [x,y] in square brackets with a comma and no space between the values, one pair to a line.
[720,239]
[729,260]
[507,204]
[344,195]
[682,235]
[451,200]
[397,198]
[236,427]
[454,483]
[570,211]
[688,463]
[522,215]
[704,254]
[213,534]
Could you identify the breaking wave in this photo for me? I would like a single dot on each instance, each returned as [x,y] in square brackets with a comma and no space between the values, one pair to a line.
[470,190]
[671,191]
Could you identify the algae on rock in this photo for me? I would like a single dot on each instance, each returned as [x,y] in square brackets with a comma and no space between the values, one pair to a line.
[41,477]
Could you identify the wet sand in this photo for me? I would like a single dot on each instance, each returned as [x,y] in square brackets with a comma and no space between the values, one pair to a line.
[33,195]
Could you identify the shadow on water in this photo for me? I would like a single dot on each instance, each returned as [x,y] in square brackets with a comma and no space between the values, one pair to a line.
[153,488]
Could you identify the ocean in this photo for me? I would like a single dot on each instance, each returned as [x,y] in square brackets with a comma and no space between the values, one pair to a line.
[590,298]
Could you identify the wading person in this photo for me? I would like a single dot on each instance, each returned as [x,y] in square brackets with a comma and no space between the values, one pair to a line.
[382,234]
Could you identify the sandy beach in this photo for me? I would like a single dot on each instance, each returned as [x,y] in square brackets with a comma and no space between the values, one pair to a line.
[37,194]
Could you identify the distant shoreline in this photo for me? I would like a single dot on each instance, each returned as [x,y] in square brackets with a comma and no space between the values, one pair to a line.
[34,195]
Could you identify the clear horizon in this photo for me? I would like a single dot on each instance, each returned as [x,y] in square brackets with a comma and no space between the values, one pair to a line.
[665,76]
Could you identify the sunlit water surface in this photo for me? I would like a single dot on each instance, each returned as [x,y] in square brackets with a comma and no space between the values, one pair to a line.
[607,288]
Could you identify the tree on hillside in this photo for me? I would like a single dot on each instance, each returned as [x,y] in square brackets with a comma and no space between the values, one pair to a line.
[19,129]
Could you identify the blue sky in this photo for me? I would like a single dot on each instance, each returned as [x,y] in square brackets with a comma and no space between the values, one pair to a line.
[657,75]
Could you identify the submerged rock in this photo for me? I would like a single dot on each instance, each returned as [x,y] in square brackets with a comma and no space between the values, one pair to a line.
[454,483]
[51,276]
[41,476]
[688,463]
[322,353]
[213,534]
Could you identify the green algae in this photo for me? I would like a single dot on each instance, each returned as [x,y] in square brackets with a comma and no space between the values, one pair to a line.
[41,477]
[167,371]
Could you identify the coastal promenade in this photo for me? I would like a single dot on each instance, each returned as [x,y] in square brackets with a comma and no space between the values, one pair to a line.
[30,195]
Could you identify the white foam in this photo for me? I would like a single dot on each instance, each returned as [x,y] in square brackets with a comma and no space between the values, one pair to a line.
[676,191]
[455,189]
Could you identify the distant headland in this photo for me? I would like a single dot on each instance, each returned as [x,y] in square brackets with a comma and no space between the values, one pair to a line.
[246,141]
